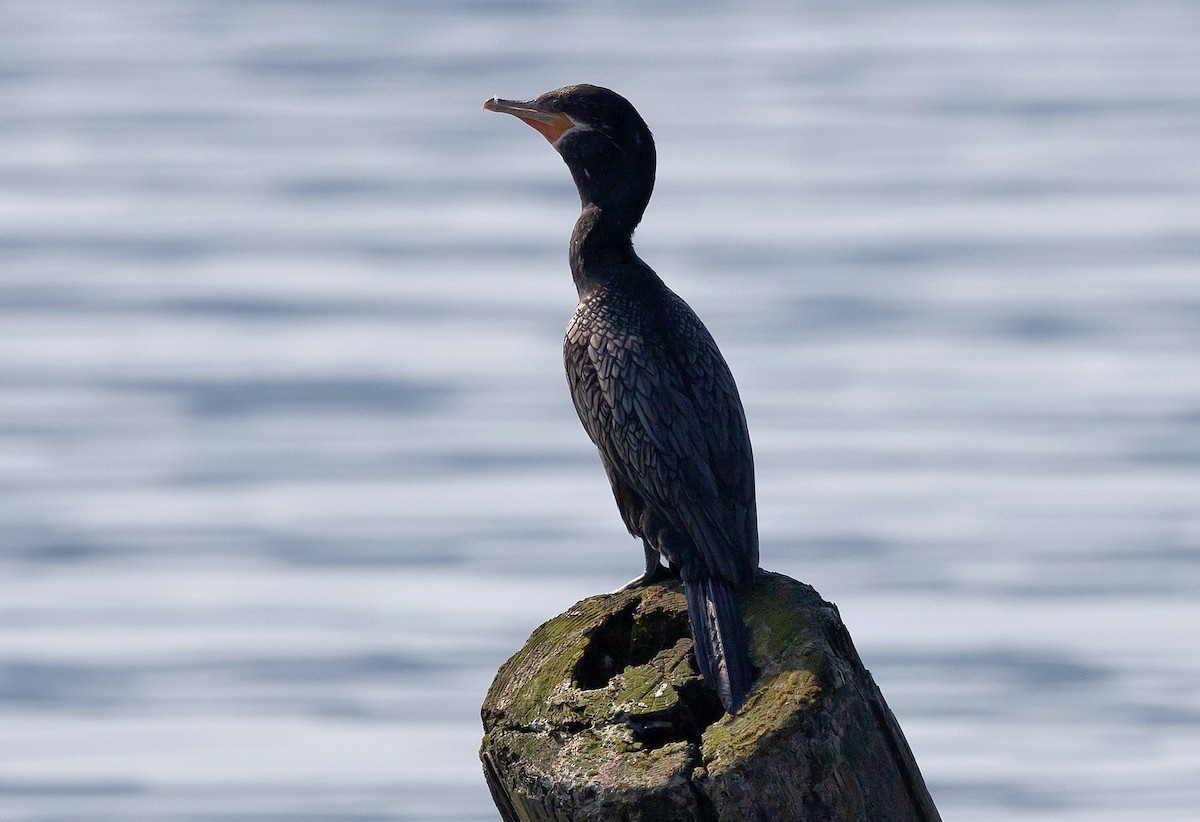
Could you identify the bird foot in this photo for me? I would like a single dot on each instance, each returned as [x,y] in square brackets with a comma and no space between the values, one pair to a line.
[657,574]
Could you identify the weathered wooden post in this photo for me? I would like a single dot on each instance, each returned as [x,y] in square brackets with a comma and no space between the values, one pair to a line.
[602,716]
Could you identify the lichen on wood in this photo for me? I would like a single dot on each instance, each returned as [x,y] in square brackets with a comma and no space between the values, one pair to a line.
[603,716]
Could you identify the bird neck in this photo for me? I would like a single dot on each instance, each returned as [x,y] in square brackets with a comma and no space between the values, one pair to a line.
[602,249]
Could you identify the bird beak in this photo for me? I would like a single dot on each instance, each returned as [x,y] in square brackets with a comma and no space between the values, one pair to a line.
[552,124]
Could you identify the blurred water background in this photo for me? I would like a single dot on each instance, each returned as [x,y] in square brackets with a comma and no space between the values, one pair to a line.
[287,461]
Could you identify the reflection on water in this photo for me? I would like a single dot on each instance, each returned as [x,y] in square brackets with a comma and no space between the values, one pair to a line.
[287,462]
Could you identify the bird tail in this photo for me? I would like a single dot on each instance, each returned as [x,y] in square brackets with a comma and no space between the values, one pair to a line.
[721,643]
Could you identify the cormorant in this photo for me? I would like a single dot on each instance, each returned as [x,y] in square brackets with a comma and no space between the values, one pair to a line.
[650,386]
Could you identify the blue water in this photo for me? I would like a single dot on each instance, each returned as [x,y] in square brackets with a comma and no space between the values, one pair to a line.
[287,462]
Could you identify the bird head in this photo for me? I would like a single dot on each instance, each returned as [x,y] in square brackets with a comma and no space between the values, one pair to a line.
[603,140]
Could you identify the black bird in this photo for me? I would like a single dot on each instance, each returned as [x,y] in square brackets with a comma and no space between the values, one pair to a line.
[651,387]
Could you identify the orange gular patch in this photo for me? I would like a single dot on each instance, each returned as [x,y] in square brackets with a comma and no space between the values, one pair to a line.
[551,128]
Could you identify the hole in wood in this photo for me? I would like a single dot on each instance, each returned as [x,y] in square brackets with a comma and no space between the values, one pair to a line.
[627,639]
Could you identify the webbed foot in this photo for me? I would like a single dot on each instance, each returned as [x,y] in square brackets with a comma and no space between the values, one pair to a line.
[658,574]
[655,572]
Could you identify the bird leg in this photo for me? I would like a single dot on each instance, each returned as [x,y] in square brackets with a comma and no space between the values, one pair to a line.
[655,571]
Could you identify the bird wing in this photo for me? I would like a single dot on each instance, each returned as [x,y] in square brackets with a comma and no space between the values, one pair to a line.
[657,398]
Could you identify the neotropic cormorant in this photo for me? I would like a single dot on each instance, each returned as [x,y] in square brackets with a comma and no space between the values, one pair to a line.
[650,386]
